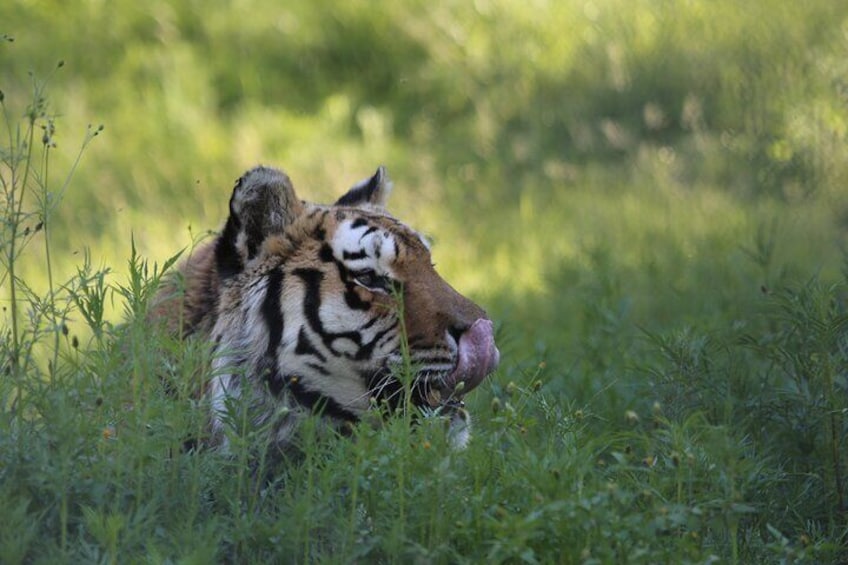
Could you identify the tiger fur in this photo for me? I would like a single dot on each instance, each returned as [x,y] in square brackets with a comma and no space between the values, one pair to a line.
[262,204]
[308,307]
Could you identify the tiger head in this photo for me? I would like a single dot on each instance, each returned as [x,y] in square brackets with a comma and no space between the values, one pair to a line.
[334,308]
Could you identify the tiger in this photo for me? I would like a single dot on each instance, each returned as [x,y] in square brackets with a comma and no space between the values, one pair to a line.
[312,309]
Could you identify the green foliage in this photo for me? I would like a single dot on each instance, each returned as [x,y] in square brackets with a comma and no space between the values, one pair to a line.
[648,197]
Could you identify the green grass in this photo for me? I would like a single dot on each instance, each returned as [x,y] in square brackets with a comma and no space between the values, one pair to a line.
[647,197]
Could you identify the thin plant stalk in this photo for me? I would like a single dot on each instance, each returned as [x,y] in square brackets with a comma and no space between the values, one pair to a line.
[48,204]
[47,142]
[14,204]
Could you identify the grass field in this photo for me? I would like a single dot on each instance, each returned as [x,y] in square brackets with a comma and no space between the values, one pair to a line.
[648,197]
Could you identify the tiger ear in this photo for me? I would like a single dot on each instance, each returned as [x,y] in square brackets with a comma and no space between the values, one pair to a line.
[263,203]
[371,191]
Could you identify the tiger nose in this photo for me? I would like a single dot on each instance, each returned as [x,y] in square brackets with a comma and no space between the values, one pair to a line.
[458,326]
[456,331]
[458,314]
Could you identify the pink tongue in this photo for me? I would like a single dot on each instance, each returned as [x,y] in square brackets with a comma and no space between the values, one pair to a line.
[478,356]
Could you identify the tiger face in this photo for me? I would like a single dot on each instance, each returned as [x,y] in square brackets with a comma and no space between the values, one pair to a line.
[320,308]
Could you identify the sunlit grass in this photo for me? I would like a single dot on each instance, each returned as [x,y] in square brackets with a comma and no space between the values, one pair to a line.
[646,228]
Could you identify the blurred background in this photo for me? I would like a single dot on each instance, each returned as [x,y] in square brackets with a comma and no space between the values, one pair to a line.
[585,168]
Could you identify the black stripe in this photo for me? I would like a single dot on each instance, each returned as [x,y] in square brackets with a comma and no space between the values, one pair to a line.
[319,369]
[312,297]
[355,337]
[326,254]
[227,259]
[370,322]
[312,279]
[361,254]
[353,301]
[313,400]
[389,336]
[358,223]
[317,402]
[344,272]
[366,350]
[306,347]
[272,314]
